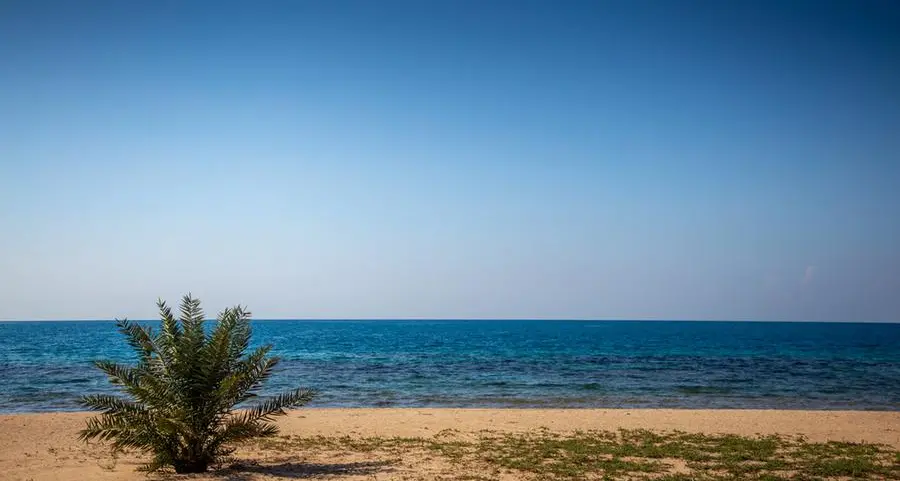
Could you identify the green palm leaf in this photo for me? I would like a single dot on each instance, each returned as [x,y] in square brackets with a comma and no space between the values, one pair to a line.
[179,400]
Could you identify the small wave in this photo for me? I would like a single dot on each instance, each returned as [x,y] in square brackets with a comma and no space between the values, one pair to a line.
[74,380]
[591,386]
[703,390]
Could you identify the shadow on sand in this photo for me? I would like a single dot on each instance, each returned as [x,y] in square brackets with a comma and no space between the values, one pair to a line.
[288,470]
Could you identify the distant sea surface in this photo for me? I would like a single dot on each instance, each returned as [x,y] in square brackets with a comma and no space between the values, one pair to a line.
[46,366]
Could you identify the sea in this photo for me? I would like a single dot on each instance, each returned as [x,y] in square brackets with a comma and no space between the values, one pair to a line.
[47,366]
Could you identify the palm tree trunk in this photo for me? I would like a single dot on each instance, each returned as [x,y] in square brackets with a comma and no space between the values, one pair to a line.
[185,466]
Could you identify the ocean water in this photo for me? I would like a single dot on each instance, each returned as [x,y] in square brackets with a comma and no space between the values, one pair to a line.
[45,366]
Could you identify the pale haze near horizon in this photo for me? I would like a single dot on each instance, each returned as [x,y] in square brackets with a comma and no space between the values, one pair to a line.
[570,160]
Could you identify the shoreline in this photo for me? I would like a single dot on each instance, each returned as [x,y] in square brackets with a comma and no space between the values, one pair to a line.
[882,427]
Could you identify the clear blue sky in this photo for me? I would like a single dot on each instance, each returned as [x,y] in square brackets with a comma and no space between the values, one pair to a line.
[453,159]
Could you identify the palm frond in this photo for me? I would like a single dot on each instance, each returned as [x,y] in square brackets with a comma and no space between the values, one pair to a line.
[191,313]
[275,405]
[119,373]
[247,377]
[124,430]
[139,337]
[235,430]
[216,351]
[178,402]
[111,405]
[171,332]
[240,338]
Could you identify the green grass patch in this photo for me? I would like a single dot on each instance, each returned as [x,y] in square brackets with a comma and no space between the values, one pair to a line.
[623,455]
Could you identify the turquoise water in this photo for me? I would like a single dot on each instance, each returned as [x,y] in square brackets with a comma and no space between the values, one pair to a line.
[45,366]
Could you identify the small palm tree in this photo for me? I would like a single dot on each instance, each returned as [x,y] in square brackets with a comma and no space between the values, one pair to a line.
[180,398]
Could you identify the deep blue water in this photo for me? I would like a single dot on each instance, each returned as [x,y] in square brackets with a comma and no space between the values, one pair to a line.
[45,366]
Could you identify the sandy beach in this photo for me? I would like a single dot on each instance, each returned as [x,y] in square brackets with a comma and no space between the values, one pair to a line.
[40,447]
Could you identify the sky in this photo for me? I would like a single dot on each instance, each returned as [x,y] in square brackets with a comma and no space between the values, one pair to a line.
[339,159]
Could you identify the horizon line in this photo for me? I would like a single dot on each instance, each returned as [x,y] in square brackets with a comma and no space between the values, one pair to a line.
[487,319]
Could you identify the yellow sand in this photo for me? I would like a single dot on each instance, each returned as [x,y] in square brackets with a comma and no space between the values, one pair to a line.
[41,447]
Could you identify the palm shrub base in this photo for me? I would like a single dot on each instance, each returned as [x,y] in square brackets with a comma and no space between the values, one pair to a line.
[178,402]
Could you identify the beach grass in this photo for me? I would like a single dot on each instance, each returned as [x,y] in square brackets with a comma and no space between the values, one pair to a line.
[615,455]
